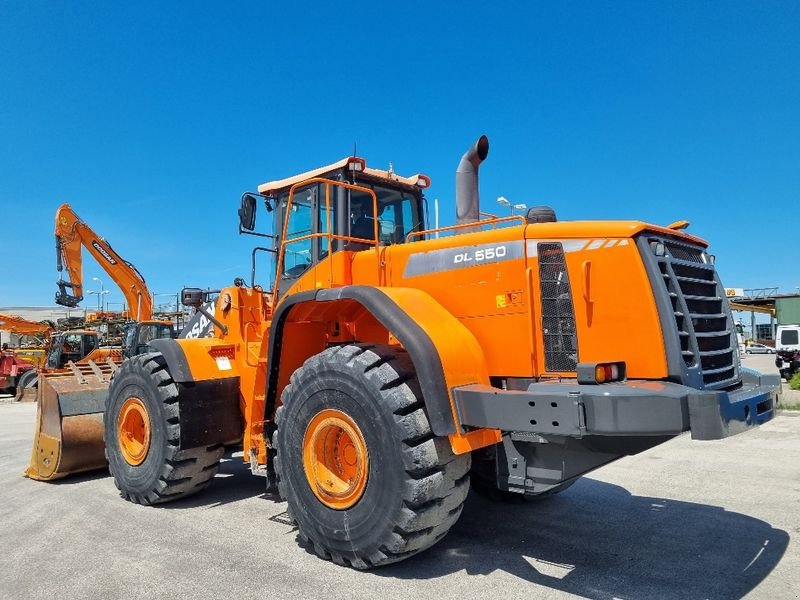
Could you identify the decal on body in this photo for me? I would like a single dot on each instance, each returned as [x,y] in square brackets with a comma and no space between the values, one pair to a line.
[462,257]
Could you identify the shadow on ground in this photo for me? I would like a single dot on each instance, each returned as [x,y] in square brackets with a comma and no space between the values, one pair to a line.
[599,541]
[233,482]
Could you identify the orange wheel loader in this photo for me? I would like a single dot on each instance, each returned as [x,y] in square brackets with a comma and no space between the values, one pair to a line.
[386,364]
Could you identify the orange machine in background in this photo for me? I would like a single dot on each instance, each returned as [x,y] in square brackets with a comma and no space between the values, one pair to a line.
[72,388]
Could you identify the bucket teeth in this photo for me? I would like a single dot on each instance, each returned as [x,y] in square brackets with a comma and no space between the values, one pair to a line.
[69,421]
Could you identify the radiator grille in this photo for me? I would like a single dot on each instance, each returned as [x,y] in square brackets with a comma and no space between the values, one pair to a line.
[558,313]
[701,312]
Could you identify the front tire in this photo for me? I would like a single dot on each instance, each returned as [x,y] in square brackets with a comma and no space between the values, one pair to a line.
[142,431]
[414,487]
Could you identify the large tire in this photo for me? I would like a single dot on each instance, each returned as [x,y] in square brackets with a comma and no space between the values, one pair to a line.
[168,471]
[26,381]
[415,486]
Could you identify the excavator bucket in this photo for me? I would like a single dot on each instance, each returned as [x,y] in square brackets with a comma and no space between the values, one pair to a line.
[69,420]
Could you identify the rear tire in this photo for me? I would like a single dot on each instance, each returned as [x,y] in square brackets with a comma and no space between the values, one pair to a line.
[26,381]
[167,471]
[415,487]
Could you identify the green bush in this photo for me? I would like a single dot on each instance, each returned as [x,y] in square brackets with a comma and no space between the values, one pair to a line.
[794,382]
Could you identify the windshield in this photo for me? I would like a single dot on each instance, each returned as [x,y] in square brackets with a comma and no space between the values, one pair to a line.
[789,337]
[398,214]
[154,331]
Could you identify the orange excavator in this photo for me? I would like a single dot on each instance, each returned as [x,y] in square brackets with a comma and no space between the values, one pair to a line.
[15,370]
[72,391]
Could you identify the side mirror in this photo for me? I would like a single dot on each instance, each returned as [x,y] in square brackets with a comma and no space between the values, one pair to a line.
[247,213]
[192,297]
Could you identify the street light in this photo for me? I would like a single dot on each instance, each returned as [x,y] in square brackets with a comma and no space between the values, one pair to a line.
[99,294]
[102,291]
[503,201]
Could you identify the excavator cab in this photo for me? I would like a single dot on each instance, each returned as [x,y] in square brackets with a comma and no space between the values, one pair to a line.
[70,346]
[138,336]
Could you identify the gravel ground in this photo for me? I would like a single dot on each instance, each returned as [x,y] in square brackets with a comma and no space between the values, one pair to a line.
[683,520]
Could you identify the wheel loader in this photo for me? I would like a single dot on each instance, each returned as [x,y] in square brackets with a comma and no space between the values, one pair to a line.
[385,364]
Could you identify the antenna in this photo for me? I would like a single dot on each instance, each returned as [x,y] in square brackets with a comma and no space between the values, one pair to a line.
[354,149]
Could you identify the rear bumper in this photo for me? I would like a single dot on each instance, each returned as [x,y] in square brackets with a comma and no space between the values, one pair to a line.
[630,408]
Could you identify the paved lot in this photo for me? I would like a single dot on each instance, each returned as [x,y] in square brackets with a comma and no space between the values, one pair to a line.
[684,520]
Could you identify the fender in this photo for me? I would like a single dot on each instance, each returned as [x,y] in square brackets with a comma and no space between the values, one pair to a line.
[208,389]
[444,352]
[211,358]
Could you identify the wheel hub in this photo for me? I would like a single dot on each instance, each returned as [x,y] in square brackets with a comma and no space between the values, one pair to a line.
[335,459]
[133,431]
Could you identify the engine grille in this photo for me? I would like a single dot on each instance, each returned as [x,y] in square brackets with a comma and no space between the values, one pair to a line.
[700,311]
[558,312]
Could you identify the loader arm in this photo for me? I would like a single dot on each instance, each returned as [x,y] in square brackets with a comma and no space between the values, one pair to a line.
[22,326]
[73,234]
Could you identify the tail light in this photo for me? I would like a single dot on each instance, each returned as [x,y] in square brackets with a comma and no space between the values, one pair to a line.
[596,373]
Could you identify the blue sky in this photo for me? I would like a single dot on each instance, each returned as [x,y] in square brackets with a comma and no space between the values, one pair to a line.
[152,118]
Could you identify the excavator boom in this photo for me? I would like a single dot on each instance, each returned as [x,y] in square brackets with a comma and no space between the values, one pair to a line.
[72,235]
[23,326]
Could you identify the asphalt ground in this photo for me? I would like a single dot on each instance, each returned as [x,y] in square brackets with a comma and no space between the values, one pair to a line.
[684,520]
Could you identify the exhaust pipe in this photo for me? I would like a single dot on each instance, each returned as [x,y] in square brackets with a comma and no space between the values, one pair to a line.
[467,196]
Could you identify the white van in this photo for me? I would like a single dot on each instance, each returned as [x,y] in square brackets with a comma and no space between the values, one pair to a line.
[788,338]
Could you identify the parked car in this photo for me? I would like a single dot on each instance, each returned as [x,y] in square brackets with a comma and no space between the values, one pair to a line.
[759,349]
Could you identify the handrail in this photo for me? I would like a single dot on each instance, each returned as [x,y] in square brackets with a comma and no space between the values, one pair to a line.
[493,222]
[329,234]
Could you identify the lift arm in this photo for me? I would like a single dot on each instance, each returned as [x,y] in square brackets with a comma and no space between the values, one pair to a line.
[71,234]
[22,326]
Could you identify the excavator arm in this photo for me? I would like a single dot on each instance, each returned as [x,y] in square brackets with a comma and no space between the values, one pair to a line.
[22,326]
[73,234]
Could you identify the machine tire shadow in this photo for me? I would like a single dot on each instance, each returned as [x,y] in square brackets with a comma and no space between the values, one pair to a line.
[232,483]
[599,541]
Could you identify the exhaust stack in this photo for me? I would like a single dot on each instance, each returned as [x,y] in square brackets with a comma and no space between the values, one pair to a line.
[467,195]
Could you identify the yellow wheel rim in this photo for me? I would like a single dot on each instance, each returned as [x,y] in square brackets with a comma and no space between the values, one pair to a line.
[335,459]
[133,431]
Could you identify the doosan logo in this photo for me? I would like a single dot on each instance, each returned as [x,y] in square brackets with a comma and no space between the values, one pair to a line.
[102,251]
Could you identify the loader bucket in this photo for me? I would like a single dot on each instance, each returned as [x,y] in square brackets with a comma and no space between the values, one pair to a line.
[69,421]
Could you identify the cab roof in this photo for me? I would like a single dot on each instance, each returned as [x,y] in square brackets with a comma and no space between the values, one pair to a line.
[418,180]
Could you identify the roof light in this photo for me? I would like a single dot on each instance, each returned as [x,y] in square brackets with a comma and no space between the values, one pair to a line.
[356,164]
[423,181]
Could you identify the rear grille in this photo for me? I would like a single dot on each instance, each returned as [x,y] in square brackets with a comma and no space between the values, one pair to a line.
[700,311]
[558,313]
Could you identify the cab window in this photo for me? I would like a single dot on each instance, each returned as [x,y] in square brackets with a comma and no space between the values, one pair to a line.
[297,257]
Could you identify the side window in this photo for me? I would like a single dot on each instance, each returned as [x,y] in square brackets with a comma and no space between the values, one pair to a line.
[322,225]
[362,219]
[388,223]
[89,343]
[297,257]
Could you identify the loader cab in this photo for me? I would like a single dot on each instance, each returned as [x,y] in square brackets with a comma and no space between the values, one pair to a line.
[345,207]
[70,346]
[137,337]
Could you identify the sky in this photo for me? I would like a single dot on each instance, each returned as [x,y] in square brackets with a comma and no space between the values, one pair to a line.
[152,118]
